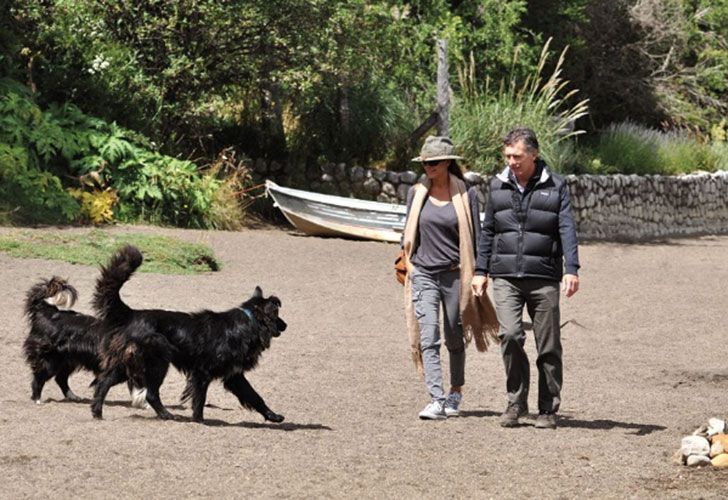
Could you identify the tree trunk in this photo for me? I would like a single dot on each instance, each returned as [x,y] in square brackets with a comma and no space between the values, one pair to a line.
[275,142]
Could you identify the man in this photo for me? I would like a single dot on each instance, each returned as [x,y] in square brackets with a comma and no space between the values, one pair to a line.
[528,238]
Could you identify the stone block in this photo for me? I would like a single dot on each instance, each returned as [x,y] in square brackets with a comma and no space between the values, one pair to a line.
[408,177]
[379,175]
[697,461]
[694,445]
[340,171]
[719,444]
[393,177]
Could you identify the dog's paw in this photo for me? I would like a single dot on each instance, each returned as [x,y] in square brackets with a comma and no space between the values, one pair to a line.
[139,399]
[70,396]
[96,411]
[273,417]
[38,401]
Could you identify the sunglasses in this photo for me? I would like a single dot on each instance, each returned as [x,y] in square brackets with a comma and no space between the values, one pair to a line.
[431,163]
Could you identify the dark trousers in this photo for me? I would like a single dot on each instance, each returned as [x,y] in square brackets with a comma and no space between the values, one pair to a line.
[541,298]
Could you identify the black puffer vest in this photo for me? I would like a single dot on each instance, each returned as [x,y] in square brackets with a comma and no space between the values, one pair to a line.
[526,243]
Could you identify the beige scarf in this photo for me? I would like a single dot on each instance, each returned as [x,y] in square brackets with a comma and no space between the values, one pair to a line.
[477,314]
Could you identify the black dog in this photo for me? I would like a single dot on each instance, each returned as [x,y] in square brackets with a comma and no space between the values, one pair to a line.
[206,345]
[60,342]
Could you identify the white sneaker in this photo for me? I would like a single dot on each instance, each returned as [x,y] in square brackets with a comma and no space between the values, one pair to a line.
[452,404]
[433,411]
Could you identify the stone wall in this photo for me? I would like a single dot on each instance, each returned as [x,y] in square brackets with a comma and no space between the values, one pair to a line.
[605,207]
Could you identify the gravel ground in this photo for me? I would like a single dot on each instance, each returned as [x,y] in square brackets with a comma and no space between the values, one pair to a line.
[645,364]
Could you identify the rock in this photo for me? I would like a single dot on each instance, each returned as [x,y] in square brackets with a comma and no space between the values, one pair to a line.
[716,426]
[473,178]
[379,175]
[372,187]
[408,177]
[357,174]
[340,171]
[697,461]
[719,445]
[694,445]
[701,431]
[392,177]
[721,461]
[389,190]
[402,193]
[328,168]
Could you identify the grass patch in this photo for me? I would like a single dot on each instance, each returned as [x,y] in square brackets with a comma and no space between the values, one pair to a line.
[161,254]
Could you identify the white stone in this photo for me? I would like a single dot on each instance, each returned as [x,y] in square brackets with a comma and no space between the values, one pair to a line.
[716,426]
[694,445]
[698,461]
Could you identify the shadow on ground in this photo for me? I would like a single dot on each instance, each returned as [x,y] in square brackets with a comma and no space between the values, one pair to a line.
[604,425]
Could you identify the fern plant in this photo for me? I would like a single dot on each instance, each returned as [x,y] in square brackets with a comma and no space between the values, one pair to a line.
[48,154]
[28,194]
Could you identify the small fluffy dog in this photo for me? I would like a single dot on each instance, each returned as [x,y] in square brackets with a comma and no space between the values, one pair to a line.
[206,345]
[61,341]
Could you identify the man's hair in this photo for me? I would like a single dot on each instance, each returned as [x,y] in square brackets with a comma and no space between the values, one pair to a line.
[524,134]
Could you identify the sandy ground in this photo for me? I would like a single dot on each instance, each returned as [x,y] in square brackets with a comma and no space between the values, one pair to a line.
[645,363]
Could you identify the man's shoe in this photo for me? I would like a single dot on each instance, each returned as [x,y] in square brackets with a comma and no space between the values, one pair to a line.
[513,412]
[434,411]
[546,420]
[452,404]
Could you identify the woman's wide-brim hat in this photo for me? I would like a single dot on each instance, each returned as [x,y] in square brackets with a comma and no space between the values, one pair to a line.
[437,148]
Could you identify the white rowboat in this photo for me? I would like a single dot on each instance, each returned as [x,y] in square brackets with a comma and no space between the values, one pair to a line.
[328,215]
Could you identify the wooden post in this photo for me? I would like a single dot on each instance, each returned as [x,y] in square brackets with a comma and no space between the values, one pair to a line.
[443,90]
[441,115]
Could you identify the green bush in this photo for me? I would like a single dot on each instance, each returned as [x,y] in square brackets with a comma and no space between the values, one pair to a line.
[31,195]
[629,148]
[43,154]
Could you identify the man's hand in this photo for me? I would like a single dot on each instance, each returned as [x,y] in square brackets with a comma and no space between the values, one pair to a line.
[569,284]
[478,285]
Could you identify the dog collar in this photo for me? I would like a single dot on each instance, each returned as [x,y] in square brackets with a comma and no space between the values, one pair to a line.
[249,314]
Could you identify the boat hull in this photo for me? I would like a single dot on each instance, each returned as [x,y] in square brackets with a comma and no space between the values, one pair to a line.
[328,215]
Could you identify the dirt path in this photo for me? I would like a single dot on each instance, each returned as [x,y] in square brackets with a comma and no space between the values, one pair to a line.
[645,363]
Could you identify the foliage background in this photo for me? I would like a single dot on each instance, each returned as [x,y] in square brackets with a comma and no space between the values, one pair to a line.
[120,110]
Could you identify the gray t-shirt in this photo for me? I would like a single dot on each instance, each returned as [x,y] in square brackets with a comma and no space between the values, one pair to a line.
[450,258]
[439,245]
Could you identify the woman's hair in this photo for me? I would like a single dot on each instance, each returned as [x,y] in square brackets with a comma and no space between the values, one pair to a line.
[454,169]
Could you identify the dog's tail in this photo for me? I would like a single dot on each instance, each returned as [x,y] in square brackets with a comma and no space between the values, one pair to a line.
[107,302]
[55,292]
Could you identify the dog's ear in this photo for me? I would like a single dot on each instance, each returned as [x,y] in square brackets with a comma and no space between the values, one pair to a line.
[258,293]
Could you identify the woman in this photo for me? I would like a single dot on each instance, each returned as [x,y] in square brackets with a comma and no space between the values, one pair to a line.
[440,238]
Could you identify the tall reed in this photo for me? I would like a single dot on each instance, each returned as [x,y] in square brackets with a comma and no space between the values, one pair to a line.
[481,116]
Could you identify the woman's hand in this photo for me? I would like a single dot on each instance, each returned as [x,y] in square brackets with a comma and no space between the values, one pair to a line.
[478,285]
